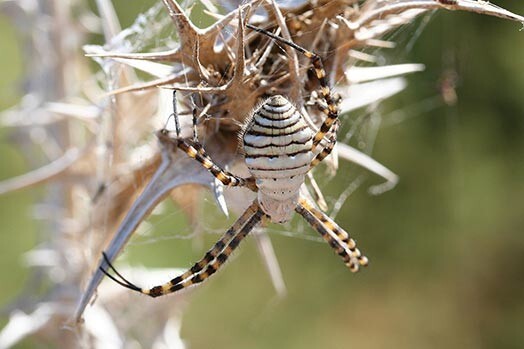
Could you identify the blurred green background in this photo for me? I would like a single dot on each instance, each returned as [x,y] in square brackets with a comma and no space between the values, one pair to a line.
[446,245]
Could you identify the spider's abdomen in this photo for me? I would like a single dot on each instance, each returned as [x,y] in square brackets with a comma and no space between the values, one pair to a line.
[277,146]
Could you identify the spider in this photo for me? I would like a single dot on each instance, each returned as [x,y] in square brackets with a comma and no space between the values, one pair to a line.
[280,149]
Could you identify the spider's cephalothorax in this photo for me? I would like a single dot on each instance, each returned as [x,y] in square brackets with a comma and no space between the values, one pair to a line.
[277,147]
[280,149]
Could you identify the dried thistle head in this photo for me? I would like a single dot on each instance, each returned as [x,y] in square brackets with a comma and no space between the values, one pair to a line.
[113,173]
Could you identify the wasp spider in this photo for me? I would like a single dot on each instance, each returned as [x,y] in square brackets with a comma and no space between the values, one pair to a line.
[280,149]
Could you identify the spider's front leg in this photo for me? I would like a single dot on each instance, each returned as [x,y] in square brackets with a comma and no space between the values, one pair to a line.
[208,265]
[331,108]
[327,148]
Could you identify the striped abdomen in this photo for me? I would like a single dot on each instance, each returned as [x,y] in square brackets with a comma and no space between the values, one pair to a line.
[277,146]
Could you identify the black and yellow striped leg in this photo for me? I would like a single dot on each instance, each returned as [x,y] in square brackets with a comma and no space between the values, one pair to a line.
[204,271]
[337,245]
[334,227]
[328,148]
[219,245]
[325,152]
[227,243]
[335,236]
[195,150]
[331,109]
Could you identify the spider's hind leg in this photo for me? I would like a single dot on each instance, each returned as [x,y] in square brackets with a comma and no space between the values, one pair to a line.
[208,265]
[123,281]
[335,236]
[191,277]
[227,243]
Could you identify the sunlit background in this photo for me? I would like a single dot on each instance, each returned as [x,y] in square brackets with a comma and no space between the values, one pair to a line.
[446,246]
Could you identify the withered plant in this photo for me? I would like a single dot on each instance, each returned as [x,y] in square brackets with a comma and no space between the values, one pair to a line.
[107,171]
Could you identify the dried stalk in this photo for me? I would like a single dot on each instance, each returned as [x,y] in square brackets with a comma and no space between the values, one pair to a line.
[93,144]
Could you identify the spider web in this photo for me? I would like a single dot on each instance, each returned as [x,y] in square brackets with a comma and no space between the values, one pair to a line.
[359,128]
[362,127]
[63,259]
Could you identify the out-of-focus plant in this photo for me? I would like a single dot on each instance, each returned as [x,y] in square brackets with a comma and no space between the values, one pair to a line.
[90,134]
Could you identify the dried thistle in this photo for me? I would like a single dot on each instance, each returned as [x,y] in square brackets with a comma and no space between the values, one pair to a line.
[224,71]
